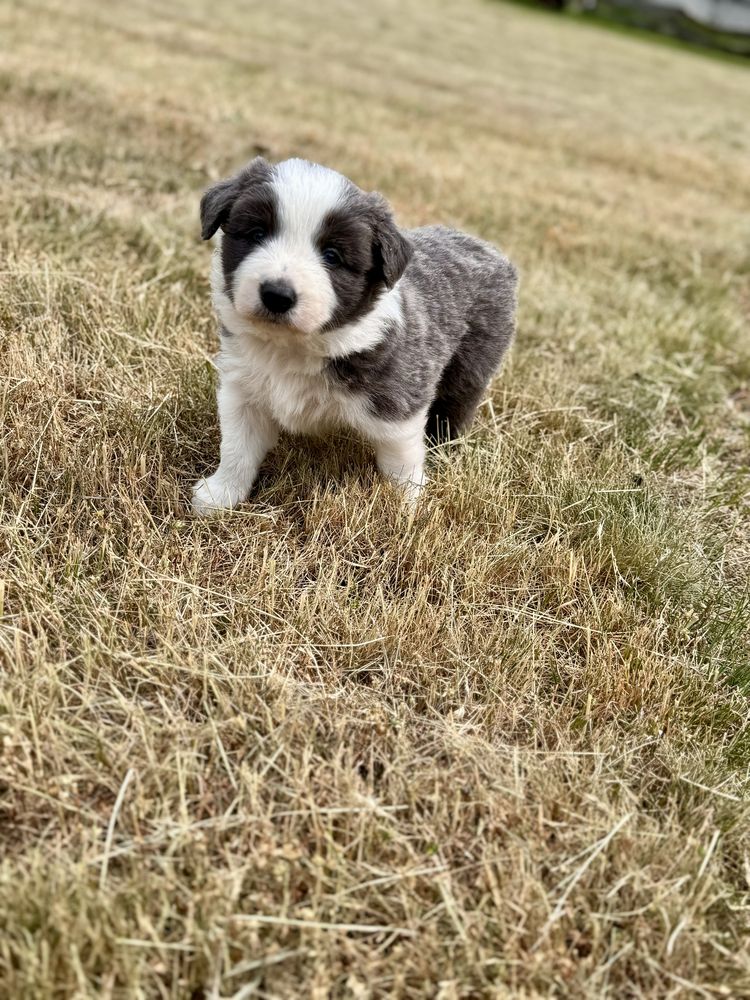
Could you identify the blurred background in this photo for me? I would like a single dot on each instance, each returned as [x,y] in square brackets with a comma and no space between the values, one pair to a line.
[720,24]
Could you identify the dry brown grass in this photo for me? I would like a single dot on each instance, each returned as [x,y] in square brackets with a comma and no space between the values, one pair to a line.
[314,748]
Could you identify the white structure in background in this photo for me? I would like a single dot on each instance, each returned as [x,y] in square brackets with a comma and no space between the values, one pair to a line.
[723,15]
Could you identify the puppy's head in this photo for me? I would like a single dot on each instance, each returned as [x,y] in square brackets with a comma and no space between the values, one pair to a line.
[302,246]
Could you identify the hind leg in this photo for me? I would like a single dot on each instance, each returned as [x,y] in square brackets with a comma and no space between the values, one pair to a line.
[470,370]
[460,392]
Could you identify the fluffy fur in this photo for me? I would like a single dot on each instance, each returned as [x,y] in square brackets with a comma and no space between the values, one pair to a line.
[331,315]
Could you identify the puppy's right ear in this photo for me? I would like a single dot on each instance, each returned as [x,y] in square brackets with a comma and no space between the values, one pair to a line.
[217,201]
[215,205]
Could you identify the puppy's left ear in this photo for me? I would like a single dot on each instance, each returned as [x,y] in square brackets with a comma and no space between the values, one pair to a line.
[392,248]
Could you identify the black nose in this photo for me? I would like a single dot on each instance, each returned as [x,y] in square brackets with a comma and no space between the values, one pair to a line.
[277,296]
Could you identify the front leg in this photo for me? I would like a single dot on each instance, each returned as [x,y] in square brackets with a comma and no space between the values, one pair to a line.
[247,435]
[400,453]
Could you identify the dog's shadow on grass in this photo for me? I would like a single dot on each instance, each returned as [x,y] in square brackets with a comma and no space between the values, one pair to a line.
[299,469]
[302,467]
[186,438]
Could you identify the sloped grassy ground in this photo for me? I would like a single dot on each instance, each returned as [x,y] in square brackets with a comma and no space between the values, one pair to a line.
[317,747]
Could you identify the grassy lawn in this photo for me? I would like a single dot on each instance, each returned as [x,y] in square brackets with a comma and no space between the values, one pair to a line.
[316,747]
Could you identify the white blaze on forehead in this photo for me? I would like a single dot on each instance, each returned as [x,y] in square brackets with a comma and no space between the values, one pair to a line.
[306,193]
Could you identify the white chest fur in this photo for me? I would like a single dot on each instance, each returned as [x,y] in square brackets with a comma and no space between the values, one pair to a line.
[294,390]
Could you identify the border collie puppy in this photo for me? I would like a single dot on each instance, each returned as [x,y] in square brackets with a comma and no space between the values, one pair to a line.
[330,315]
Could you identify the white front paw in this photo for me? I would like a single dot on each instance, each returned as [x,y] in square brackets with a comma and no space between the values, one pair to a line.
[213,494]
[411,482]
[412,488]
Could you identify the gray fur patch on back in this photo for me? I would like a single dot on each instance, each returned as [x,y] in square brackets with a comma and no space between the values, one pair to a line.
[458,300]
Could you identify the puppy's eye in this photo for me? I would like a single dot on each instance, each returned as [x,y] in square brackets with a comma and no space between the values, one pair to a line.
[331,257]
[256,234]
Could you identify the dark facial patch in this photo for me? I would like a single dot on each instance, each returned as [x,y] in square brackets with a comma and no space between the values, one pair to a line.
[241,206]
[252,221]
[356,280]
[373,254]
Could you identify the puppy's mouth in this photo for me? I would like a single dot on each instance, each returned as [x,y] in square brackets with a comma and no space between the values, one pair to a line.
[271,322]
[272,318]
